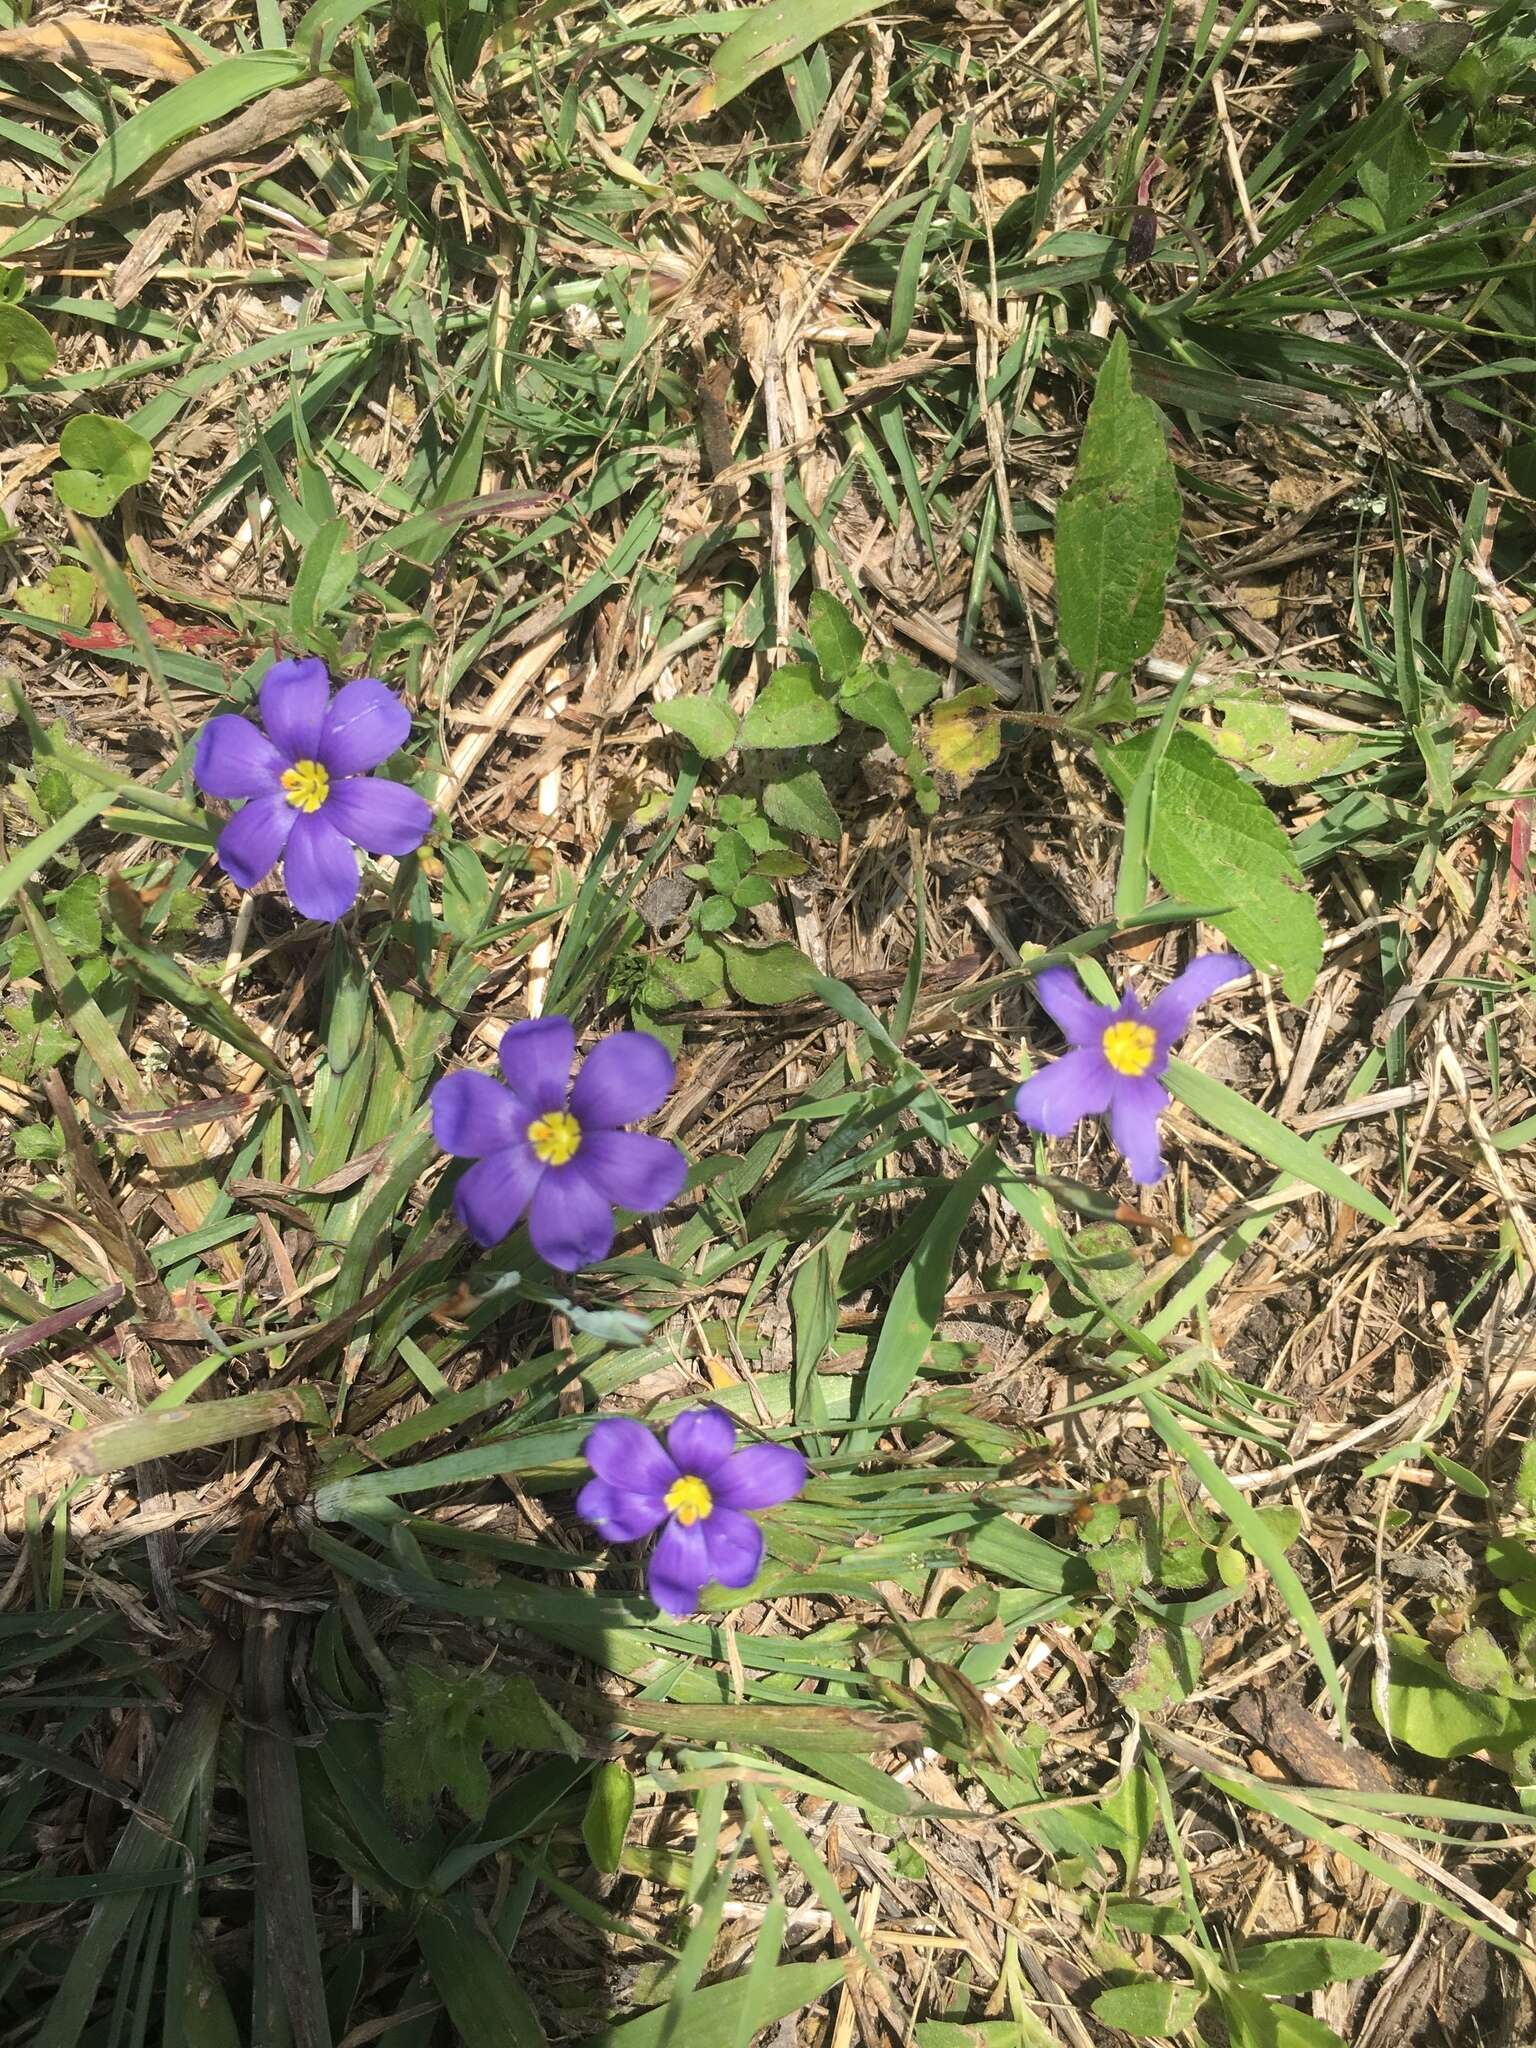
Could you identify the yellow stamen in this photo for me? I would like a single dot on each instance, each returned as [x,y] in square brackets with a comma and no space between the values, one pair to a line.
[690,1500]
[1130,1048]
[307,784]
[555,1138]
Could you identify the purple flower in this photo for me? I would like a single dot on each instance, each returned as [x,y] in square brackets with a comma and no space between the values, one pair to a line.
[310,799]
[698,1486]
[1116,1058]
[554,1149]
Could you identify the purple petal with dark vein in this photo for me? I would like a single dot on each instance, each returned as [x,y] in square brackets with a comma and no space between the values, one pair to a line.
[319,868]
[618,1515]
[700,1439]
[759,1476]
[364,726]
[631,1170]
[1060,994]
[569,1222]
[536,1059]
[622,1079]
[235,759]
[379,815]
[473,1114]
[679,1568]
[1169,1014]
[493,1194]
[626,1453]
[252,842]
[1133,1115]
[1062,1094]
[294,695]
[734,1545]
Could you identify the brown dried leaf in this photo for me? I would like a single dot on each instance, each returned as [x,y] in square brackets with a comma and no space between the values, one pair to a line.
[78,42]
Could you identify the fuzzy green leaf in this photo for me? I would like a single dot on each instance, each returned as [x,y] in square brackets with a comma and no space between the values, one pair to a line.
[26,346]
[705,723]
[800,804]
[105,459]
[606,1820]
[837,640]
[1117,528]
[768,974]
[1148,2008]
[791,712]
[1214,840]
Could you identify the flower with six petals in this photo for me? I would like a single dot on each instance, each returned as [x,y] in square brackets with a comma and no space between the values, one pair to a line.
[1116,1058]
[699,1485]
[554,1149]
[306,793]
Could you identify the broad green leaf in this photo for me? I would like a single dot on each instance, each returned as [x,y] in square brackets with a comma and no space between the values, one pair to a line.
[1429,1711]
[800,804]
[606,1820]
[771,37]
[1214,840]
[1395,177]
[1165,1669]
[1274,1142]
[1252,2022]
[1256,733]
[67,595]
[466,890]
[838,641]
[790,712]
[327,572]
[768,974]
[965,732]
[916,1306]
[1117,528]
[105,459]
[26,346]
[872,701]
[486,2005]
[77,916]
[1286,1969]
[1476,1663]
[714,2011]
[708,725]
[1148,2008]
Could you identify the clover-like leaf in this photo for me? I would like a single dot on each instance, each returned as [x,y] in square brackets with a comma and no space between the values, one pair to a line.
[104,459]
[26,347]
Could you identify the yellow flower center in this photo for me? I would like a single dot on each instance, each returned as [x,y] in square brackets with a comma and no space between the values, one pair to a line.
[555,1138]
[307,785]
[690,1500]
[1130,1048]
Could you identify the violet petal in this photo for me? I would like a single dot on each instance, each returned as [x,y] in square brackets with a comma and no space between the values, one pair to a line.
[294,695]
[679,1568]
[569,1222]
[618,1515]
[1169,1014]
[734,1545]
[1060,994]
[320,869]
[365,724]
[235,759]
[759,1476]
[1133,1115]
[472,1114]
[252,842]
[624,1452]
[493,1194]
[622,1079]
[700,1439]
[1062,1094]
[536,1059]
[379,815]
[631,1170]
